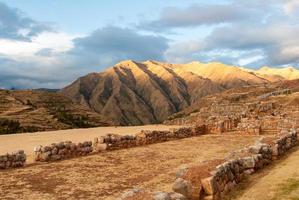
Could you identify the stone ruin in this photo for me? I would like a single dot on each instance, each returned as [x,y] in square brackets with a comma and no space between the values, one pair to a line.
[12,160]
[212,180]
[62,150]
[114,141]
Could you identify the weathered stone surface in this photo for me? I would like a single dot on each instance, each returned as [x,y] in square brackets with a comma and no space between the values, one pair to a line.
[182,186]
[209,185]
[16,159]
[62,150]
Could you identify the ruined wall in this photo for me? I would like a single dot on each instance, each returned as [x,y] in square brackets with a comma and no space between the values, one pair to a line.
[114,141]
[216,179]
[219,125]
[249,126]
[13,160]
[62,150]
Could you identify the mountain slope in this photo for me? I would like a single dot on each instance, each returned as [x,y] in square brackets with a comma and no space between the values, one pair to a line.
[32,110]
[134,93]
[139,93]
[225,75]
[288,73]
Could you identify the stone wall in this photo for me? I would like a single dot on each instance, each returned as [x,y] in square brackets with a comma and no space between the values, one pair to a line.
[62,150]
[114,141]
[219,125]
[249,126]
[214,179]
[13,160]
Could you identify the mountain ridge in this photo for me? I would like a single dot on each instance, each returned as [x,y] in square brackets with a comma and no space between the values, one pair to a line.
[135,93]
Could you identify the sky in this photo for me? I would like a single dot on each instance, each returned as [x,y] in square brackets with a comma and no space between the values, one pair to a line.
[50,43]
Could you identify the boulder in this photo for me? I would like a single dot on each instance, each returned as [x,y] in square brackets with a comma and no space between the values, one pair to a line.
[182,186]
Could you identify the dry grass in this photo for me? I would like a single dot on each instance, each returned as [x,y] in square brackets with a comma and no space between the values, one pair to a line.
[107,175]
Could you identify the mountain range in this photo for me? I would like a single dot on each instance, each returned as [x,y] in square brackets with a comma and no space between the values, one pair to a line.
[135,93]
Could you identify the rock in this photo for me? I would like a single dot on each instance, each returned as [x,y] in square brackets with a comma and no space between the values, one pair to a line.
[161,196]
[181,171]
[249,171]
[130,193]
[45,156]
[54,151]
[181,186]
[176,196]
[209,185]
[248,163]
[101,147]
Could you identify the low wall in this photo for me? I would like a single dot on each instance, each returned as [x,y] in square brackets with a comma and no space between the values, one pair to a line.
[114,141]
[62,150]
[213,179]
[13,160]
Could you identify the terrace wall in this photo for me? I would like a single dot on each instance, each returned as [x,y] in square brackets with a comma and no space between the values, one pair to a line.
[214,179]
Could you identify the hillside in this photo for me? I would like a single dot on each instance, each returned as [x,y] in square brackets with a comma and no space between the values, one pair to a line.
[225,75]
[29,111]
[289,73]
[135,93]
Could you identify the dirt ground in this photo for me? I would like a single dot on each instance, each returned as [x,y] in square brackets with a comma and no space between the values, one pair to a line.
[27,141]
[277,182]
[107,175]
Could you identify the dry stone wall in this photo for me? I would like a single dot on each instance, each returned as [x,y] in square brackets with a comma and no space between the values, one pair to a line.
[62,150]
[114,141]
[212,180]
[13,160]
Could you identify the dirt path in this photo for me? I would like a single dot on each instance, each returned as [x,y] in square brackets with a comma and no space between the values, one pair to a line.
[106,175]
[27,141]
[280,181]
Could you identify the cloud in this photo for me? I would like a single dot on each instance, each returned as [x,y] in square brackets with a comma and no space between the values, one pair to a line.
[15,25]
[271,40]
[104,47]
[198,15]
[114,43]
[291,6]
[274,44]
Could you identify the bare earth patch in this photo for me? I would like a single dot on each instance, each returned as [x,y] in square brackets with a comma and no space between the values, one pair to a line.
[107,175]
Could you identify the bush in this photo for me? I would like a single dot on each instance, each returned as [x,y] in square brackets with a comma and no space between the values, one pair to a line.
[73,120]
[9,126]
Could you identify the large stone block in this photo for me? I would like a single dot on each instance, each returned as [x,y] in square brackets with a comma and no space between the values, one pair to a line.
[209,185]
